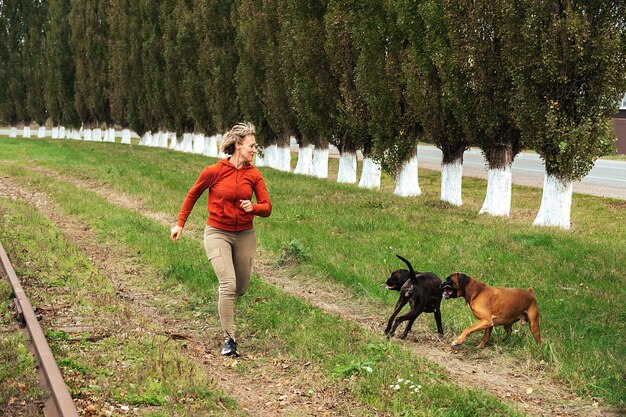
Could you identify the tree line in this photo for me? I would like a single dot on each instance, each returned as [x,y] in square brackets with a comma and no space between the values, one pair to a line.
[375,76]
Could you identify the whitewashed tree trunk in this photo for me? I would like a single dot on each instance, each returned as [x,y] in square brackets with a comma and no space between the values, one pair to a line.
[146,139]
[270,156]
[211,148]
[126,136]
[111,134]
[41,133]
[556,203]
[13,132]
[198,143]
[76,135]
[187,143]
[370,174]
[87,134]
[26,132]
[96,135]
[162,140]
[498,199]
[259,161]
[61,132]
[451,180]
[319,167]
[55,132]
[305,160]
[347,168]
[407,181]
[283,158]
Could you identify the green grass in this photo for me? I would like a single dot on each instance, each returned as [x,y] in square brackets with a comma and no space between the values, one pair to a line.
[120,368]
[351,236]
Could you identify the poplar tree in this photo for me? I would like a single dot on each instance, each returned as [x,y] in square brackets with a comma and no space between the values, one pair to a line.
[34,63]
[248,20]
[479,34]
[393,129]
[122,18]
[153,109]
[350,128]
[217,63]
[434,86]
[568,68]
[88,39]
[12,82]
[308,80]
[59,74]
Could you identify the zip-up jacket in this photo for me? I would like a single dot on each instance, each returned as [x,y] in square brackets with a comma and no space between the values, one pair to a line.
[228,185]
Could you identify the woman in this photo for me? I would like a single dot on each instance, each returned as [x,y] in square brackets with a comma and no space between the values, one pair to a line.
[229,237]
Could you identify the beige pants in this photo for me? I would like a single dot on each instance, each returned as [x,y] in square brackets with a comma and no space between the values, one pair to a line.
[231,254]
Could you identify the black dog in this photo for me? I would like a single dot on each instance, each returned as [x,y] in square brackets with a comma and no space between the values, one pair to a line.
[421,290]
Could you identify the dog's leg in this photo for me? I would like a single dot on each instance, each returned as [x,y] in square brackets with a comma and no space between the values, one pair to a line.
[486,337]
[508,328]
[481,325]
[399,305]
[410,316]
[437,313]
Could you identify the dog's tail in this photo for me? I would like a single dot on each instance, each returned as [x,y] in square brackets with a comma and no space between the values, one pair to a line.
[411,271]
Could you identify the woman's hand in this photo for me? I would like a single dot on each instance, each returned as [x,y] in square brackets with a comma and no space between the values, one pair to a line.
[176,232]
[246,205]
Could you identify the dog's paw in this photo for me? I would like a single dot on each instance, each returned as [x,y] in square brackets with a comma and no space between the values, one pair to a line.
[456,343]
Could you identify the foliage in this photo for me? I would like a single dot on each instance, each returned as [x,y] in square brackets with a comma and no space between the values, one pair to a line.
[568,73]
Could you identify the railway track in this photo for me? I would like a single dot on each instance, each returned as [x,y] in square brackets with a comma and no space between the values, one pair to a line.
[59,402]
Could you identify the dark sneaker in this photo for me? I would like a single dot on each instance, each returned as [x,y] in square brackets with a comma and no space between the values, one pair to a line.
[230,348]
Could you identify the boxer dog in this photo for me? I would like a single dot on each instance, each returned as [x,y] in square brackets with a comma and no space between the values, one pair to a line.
[421,290]
[493,306]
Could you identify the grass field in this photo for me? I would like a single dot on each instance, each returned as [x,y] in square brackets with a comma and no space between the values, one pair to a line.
[350,236]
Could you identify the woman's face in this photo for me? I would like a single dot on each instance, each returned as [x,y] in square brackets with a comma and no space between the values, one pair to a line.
[247,148]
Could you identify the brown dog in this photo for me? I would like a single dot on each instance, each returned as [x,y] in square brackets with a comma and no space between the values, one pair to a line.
[493,306]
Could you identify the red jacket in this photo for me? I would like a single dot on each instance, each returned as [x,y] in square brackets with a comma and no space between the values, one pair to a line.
[228,185]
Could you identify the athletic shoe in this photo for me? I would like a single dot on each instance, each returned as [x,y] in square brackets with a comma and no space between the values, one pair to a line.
[230,348]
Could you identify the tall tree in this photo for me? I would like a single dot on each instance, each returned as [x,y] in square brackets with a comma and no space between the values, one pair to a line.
[431,76]
[88,39]
[12,77]
[308,79]
[34,63]
[569,76]
[59,75]
[351,124]
[393,129]
[478,33]
[249,21]
[153,111]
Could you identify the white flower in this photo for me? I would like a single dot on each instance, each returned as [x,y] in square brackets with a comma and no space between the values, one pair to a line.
[368,369]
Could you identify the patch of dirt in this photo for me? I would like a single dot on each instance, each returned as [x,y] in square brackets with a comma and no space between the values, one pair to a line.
[523,384]
[273,389]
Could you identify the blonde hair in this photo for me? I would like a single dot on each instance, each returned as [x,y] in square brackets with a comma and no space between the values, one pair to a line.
[236,135]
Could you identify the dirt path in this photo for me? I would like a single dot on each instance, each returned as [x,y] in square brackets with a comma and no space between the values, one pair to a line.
[275,388]
[524,384]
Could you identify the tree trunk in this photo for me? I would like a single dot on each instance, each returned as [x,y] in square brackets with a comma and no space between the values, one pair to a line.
[126,136]
[370,174]
[42,132]
[305,159]
[62,132]
[498,199]
[319,166]
[347,167]
[556,203]
[451,180]
[96,135]
[407,181]
[26,132]
[55,132]
[13,132]
[211,148]
[87,134]
[269,156]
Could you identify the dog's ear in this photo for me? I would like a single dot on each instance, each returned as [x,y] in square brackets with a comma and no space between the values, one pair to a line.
[404,275]
[463,279]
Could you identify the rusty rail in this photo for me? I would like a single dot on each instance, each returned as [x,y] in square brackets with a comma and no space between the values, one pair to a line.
[59,403]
